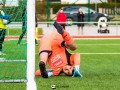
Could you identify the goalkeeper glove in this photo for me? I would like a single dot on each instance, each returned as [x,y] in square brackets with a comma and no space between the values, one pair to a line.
[77,73]
[50,73]
[59,28]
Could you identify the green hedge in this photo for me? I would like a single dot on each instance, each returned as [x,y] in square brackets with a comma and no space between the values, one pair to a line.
[57,6]
[41,9]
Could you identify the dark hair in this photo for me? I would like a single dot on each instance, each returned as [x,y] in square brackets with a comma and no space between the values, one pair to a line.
[62,8]
[72,73]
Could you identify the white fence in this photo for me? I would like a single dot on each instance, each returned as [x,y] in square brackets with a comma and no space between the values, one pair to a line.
[89,28]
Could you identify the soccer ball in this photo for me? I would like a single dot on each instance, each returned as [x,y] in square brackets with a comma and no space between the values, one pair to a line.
[53,87]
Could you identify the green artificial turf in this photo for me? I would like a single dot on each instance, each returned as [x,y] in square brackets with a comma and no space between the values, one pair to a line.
[100,66]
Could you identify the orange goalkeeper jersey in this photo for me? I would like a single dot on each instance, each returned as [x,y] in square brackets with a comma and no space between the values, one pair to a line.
[57,59]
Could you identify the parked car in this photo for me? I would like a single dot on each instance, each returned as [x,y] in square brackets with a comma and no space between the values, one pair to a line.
[71,13]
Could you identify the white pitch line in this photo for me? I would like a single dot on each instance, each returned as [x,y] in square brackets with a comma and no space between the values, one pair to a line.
[20,80]
[99,44]
[4,60]
[101,53]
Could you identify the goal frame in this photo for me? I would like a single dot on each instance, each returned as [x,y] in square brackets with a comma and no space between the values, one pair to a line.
[31,84]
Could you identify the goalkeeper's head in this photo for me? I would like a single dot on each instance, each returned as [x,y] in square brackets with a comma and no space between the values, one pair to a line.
[68,70]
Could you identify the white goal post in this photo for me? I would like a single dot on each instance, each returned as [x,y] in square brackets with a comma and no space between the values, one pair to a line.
[31,84]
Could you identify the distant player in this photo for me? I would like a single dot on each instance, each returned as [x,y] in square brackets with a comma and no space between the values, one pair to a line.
[36,31]
[61,17]
[4,20]
[53,49]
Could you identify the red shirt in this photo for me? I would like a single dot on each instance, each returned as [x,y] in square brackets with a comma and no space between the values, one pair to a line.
[61,17]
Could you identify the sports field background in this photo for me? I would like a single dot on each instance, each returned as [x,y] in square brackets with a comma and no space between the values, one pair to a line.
[100,66]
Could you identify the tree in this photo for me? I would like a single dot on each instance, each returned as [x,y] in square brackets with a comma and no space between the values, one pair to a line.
[118,1]
[41,9]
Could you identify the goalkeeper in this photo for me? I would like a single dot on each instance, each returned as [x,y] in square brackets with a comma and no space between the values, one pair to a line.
[4,20]
[53,49]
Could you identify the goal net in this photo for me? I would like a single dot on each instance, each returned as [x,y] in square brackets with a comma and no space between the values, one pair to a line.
[14,60]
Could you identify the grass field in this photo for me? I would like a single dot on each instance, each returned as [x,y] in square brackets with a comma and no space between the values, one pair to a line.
[100,66]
